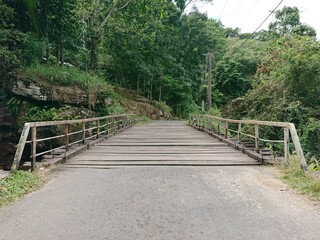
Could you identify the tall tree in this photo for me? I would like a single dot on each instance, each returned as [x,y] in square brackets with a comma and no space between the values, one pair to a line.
[287,21]
[97,15]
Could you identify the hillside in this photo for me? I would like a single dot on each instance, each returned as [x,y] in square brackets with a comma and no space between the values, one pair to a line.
[35,95]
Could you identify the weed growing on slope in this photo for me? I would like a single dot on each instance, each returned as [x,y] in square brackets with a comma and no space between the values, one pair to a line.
[303,182]
[18,184]
[66,76]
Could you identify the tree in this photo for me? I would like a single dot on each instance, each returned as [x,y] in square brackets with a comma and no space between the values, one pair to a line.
[230,80]
[183,4]
[287,21]
[10,41]
[96,15]
[232,32]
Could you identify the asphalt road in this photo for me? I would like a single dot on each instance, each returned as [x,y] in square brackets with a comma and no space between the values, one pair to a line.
[161,203]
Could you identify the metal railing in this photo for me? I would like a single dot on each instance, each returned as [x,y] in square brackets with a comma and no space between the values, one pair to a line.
[67,133]
[221,126]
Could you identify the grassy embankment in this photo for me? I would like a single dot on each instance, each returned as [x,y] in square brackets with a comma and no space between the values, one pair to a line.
[305,183]
[18,184]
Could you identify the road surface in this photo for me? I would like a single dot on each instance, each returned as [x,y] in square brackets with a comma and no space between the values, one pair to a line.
[237,202]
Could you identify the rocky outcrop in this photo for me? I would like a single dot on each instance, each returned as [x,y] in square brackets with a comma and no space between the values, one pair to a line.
[45,91]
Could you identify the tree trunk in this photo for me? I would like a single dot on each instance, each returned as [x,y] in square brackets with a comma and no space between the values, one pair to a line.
[93,53]
[60,41]
[151,87]
[160,90]
[138,83]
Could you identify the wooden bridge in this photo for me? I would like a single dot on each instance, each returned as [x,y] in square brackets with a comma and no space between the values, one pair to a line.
[160,143]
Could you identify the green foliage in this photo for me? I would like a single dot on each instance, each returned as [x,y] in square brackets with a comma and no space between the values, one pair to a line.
[18,184]
[115,109]
[143,119]
[286,89]
[104,110]
[10,41]
[214,112]
[299,180]
[311,138]
[287,22]
[38,114]
[230,81]
[15,105]
[32,50]
[66,76]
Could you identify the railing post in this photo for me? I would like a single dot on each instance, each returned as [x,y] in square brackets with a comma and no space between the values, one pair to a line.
[121,123]
[98,128]
[297,146]
[286,144]
[226,130]
[218,127]
[256,138]
[83,132]
[34,148]
[115,123]
[108,126]
[129,121]
[210,124]
[66,136]
[239,132]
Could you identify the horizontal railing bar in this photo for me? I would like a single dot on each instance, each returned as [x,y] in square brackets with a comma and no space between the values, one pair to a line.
[234,131]
[75,142]
[56,123]
[51,150]
[252,122]
[248,135]
[49,138]
[89,129]
[274,141]
[95,135]
[74,133]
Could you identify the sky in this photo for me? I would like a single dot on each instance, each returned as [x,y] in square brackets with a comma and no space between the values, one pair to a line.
[249,14]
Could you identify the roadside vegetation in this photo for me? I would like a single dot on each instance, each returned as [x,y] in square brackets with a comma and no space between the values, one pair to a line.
[18,184]
[305,183]
[159,51]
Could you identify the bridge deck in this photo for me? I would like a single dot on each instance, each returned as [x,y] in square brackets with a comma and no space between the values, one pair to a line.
[160,143]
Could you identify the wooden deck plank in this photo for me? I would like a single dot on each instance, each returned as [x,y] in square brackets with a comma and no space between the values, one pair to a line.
[161,143]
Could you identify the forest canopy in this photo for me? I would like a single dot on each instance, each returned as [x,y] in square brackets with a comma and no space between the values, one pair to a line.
[158,50]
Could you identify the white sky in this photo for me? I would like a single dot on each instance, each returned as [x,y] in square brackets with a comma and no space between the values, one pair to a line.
[249,14]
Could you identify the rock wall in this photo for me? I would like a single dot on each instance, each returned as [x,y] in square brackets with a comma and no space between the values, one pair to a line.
[46,92]
[8,138]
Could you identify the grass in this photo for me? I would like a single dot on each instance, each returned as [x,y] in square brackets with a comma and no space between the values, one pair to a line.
[143,119]
[65,76]
[18,184]
[305,183]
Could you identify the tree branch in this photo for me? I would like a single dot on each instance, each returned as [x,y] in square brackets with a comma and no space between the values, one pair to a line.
[113,10]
